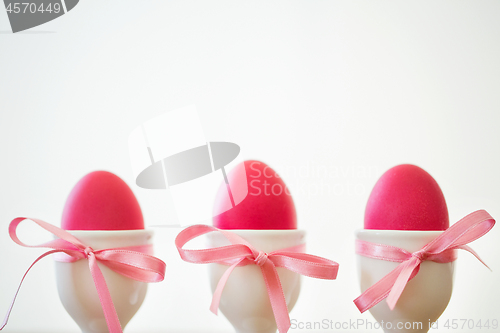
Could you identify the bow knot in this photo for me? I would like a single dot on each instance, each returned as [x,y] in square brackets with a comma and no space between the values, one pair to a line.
[88,250]
[261,258]
[421,255]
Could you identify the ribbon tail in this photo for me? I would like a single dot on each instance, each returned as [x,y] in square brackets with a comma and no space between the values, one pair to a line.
[474,253]
[401,281]
[214,306]
[108,308]
[6,319]
[377,292]
[276,296]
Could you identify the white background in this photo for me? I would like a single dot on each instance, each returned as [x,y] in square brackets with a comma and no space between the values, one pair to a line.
[354,87]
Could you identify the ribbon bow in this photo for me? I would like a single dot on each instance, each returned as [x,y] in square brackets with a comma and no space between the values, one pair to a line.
[241,253]
[132,262]
[441,250]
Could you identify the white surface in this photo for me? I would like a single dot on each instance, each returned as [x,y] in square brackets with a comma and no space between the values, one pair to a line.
[329,93]
[174,132]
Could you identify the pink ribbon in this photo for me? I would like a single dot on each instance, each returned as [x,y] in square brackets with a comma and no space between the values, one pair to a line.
[132,262]
[441,250]
[241,253]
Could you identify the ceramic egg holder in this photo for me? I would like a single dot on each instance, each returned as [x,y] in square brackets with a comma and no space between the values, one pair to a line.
[424,298]
[77,290]
[245,300]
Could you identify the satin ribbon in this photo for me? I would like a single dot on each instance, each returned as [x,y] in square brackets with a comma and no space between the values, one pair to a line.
[441,250]
[242,253]
[132,262]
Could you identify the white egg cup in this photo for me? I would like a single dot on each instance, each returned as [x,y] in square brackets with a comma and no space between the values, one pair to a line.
[77,290]
[424,298]
[245,300]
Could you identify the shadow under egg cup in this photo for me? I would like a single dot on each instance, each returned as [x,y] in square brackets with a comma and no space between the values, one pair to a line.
[424,298]
[245,300]
[77,290]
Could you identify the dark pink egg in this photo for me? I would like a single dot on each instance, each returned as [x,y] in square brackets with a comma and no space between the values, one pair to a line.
[268,205]
[406,197]
[102,201]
